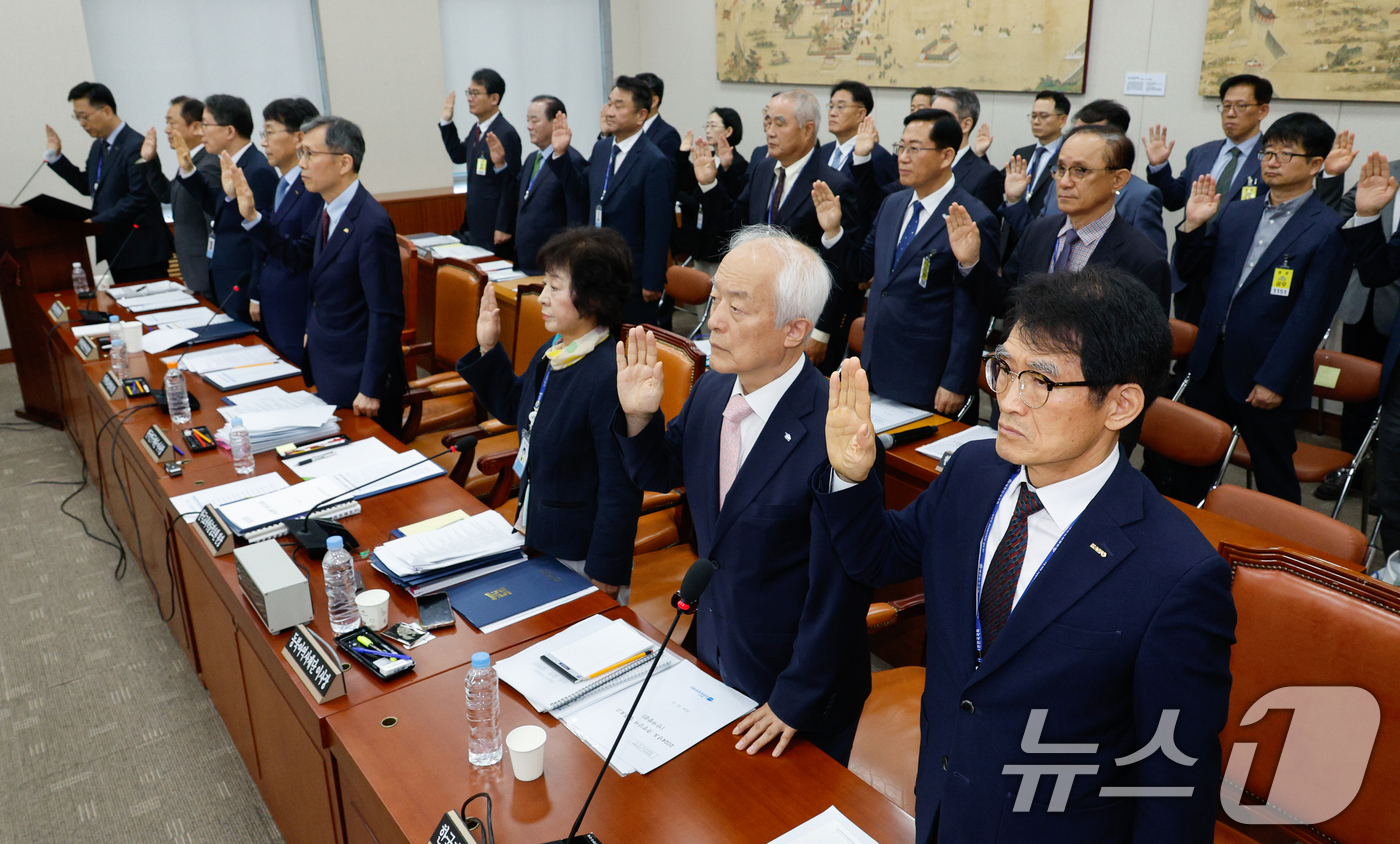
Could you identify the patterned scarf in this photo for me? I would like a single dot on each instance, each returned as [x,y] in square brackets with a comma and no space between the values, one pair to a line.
[561,356]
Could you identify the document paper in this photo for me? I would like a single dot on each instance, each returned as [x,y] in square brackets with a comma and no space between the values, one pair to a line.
[953,442]
[886,414]
[830,827]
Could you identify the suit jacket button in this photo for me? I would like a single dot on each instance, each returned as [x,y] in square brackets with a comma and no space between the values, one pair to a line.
[945,763]
[966,706]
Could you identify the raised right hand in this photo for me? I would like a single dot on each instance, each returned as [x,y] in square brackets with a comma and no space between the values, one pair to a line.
[983,141]
[182,152]
[706,168]
[850,436]
[1202,204]
[640,381]
[1156,145]
[1018,179]
[51,137]
[1376,187]
[449,107]
[244,194]
[148,146]
[488,320]
[724,153]
[1342,155]
[226,168]
[687,141]
[561,136]
[498,152]
[828,207]
[867,136]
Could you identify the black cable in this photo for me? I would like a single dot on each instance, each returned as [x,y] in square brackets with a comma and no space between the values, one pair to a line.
[120,571]
[490,835]
[63,506]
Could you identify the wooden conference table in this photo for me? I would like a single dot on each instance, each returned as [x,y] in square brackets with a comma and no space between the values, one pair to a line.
[317,783]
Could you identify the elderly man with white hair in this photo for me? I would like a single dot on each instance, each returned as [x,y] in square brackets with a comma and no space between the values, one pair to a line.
[781,621]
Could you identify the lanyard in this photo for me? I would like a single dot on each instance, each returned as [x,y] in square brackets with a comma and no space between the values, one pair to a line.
[982,559]
[539,398]
[607,176]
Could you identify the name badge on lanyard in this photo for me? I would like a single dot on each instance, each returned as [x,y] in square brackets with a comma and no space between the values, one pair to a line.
[522,454]
[209,250]
[481,166]
[1283,279]
[598,216]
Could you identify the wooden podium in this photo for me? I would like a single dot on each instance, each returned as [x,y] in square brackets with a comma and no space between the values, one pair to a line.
[37,256]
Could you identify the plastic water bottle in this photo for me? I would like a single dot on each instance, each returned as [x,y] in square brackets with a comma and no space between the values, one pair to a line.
[240,445]
[114,328]
[338,569]
[121,368]
[483,712]
[81,285]
[177,398]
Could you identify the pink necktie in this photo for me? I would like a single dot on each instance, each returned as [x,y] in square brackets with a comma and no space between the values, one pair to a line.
[734,413]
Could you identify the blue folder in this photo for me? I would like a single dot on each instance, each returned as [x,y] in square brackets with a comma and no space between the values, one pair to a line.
[502,594]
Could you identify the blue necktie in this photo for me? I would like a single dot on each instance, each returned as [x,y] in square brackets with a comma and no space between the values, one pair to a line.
[909,232]
[281,192]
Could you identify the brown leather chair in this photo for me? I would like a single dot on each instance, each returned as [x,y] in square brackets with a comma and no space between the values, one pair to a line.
[1183,338]
[1358,380]
[443,401]
[408,262]
[884,753]
[1187,435]
[690,286]
[857,335]
[1309,529]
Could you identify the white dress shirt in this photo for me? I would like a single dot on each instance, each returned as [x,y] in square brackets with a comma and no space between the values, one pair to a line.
[624,147]
[762,401]
[843,152]
[335,208]
[930,203]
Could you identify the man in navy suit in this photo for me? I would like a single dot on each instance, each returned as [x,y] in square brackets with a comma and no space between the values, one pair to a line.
[1232,162]
[626,185]
[1275,270]
[543,206]
[353,356]
[779,193]
[134,241]
[490,203]
[851,102]
[662,134]
[781,622]
[931,247]
[974,174]
[1049,114]
[228,128]
[279,295]
[1079,626]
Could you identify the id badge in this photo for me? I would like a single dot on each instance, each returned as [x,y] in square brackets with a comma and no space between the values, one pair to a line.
[209,250]
[481,166]
[1249,192]
[923,272]
[598,216]
[1283,282]
[522,455]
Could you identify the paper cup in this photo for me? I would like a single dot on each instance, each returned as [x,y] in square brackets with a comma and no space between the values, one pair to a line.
[131,336]
[374,608]
[526,745]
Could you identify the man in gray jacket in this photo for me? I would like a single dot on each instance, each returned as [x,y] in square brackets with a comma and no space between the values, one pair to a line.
[191,223]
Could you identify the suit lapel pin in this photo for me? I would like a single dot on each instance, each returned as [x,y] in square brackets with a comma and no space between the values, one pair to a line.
[787,436]
[1098,550]
[347,231]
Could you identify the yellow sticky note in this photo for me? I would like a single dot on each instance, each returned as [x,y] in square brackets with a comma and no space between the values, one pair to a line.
[1326,377]
[434,523]
[1283,282]
[481,167]
[1249,192]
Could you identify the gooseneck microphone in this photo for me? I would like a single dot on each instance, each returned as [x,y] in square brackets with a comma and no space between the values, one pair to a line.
[237,288]
[697,579]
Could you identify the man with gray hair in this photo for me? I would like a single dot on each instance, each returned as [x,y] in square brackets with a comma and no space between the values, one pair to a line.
[972,172]
[779,193]
[780,621]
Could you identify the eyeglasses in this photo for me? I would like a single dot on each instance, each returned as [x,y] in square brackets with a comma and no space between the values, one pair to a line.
[1035,388]
[473,93]
[206,124]
[84,116]
[901,148]
[262,136]
[305,154]
[1042,115]
[835,106]
[1234,108]
[1076,173]
[1281,156]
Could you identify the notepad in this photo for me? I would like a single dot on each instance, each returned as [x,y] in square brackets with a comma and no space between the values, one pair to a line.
[608,650]
[886,414]
[951,443]
[149,288]
[830,827]
[191,503]
[251,374]
[223,357]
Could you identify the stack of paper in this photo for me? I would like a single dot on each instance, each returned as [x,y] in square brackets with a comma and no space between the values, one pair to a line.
[887,414]
[190,504]
[460,251]
[275,417]
[184,318]
[462,550]
[158,301]
[430,240]
[230,367]
[149,288]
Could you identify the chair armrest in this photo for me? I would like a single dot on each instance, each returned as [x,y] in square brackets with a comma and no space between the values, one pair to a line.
[416,349]
[435,378]
[654,502]
[885,613]
[491,464]
[486,430]
[494,428]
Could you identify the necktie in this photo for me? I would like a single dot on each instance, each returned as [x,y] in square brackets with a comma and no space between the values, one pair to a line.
[325,226]
[281,193]
[734,413]
[1030,171]
[776,199]
[613,161]
[1070,238]
[539,159]
[909,232]
[999,586]
[101,158]
[838,158]
[1227,177]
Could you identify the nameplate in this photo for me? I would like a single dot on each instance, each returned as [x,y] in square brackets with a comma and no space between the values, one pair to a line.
[111,384]
[451,830]
[317,669]
[210,527]
[58,312]
[86,349]
[157,443]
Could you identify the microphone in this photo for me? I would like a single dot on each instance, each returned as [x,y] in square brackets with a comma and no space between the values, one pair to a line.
[312,534]
[912,435]
[158,396]
[242,280]
[115,255]
[30,179]
[697,579]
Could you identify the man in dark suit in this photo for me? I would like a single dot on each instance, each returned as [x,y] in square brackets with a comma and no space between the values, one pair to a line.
[973,173]
[134,241]
[779,193]
[228,128]
[543,206]
[922,98]
[1231,162]
[626,185]
[923,327]
[662,134]
[1081,625]
[851,102]
[278,294]
[490,203]
[1275,270]
[1049,114]
[353,356]
[189,221]
[781,622]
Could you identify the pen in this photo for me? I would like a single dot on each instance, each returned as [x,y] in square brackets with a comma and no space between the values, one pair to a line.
[312,459]
[251,365]
[177,449]
[200,435]
[358,649]
[627,661]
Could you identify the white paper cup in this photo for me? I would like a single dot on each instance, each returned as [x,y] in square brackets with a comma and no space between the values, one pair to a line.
[374,608]
[131,336]
[526,745]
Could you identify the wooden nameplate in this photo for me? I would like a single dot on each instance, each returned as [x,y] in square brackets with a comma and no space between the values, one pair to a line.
[211,528]
[86,349]
[111,385]
[58,312]
[157,444]
[316,667]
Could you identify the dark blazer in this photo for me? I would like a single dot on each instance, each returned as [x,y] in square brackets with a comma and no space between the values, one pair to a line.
[1121,246]
[921,333]
[1269,339]
[583,505]
[232,263]
[781,622]
[189,221]
[980,179]
[664,137]
[1378,266]
[1105,640]
[356,313]
[1383,300]
[708,243]
[543,211]
[282,293]
[490,199]
[638,204]
[133,229]
[1038,195]
[886,168]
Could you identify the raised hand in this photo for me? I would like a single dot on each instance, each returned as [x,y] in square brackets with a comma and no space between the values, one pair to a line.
[983,141]
[449,107]
[148,146]
[244,194]
[828,207]
[1156,145]
[963,235]
[1376,187]
[703,159]
[687,141]
[488,319]
[498,152]
[640,382]
[226,168]
[724,153]
[603,122]
[1342,155]
[1018,179]
[1202,204]
[561,135]
[850,436]
[867,136]
[182,152]
[52,139]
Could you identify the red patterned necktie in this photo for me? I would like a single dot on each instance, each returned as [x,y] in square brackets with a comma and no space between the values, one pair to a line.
[325,226]
[999,587]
